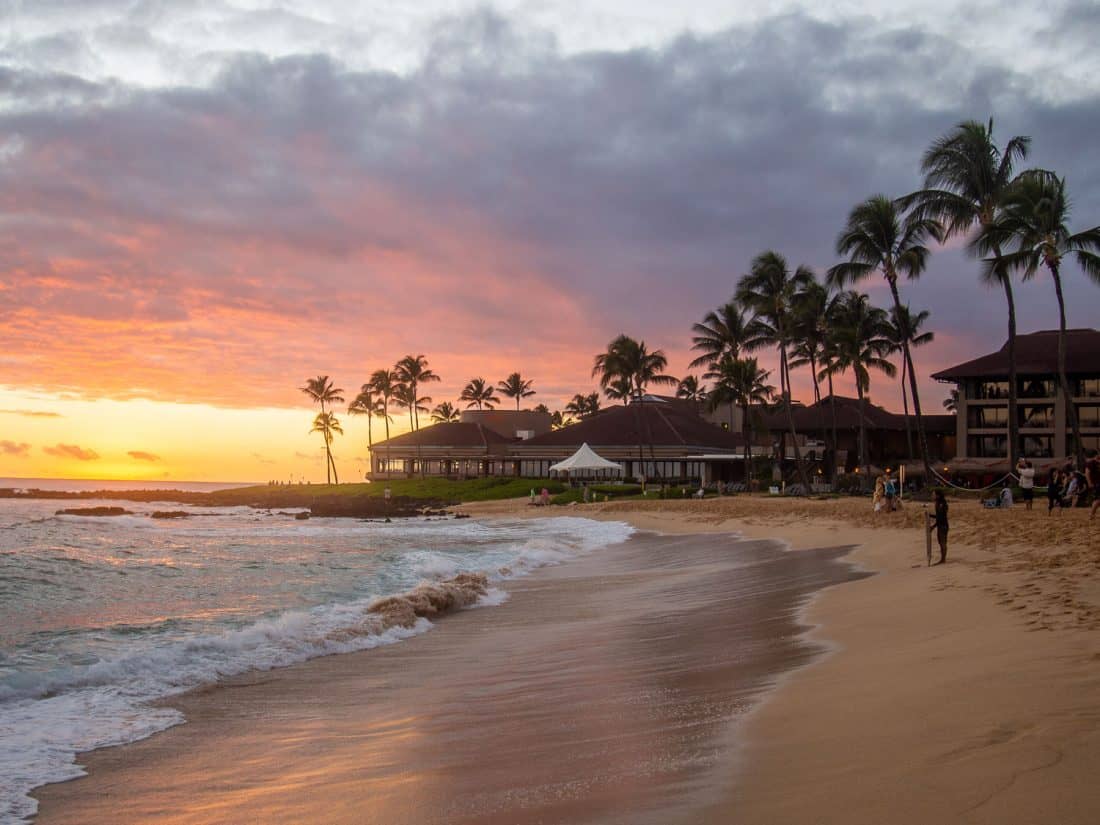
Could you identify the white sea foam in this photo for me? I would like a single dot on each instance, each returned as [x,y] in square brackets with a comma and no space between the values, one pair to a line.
[100,697]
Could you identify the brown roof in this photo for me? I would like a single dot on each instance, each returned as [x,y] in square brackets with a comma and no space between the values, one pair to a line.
[810,420]
[1036,354]
[659,423]
[446,435]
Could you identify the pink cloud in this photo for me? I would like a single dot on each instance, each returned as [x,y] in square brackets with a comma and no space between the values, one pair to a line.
[71,451]
[32,413]
[20,450]
[142,455]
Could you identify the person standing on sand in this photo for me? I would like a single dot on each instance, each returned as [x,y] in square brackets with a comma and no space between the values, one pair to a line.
[879,495]
[939,521]
[1054,491]
[1092,477]
[1027,481]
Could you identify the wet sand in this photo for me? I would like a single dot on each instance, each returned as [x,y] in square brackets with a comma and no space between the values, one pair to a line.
[606,690]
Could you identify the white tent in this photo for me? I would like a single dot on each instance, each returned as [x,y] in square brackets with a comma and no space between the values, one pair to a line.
[585,460]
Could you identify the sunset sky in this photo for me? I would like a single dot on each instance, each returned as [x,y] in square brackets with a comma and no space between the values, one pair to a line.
[205,202]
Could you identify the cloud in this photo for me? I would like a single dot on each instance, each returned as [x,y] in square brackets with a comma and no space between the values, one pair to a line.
[263,459]
[71,451]
[142,455]
[502,204]
[32,413]
[19,450]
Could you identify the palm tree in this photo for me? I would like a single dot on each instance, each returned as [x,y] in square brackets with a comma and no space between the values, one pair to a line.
[772,292]
[966,181]
[740,382]
[632,363]
[811,337]
[619,389]
[951,403]
[726,330]
[1034,220]
[878,238]
[478,393]
[366,404]
[413,370]
[896,334]
[558,420]
[385,384]
[321,390]
[445,413]
[584,406]
[515,387]
[327,424]
[862,344]
[404,397]
[689,389]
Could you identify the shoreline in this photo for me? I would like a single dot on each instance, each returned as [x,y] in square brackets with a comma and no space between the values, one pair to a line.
[584,671]
[955,692]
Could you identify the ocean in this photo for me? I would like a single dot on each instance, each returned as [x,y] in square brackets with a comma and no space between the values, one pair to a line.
[102,616]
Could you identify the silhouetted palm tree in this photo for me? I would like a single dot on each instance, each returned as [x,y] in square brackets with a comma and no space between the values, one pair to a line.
[966,181]
[327,424]
[385,384]
[478,393]
[879,238]
[862,344]
[689,389]
[404,397]
[515,387]
[916,339]
[631,362]
[951,403]
[321,390]
[445,413]
[725,331]
[619,389]
[413,370]
[811,336]
[584,406]
[1034,221]
[365,403]
[772,292]
[740,382]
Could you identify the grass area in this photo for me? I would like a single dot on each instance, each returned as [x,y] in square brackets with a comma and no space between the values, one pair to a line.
[424,489]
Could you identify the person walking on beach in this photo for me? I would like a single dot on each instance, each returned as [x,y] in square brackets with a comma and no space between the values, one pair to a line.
[1054,491]
[939,520]
[1027,481]
[890,489]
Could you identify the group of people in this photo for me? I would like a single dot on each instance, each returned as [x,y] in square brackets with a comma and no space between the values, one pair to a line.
[1069,486]
[886,496]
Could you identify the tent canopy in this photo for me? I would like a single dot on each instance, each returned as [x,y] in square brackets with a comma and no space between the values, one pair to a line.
[585,459]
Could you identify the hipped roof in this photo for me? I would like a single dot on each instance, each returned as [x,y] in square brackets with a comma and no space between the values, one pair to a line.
[658,423]
[1036,354]
[811,419]
[446,435]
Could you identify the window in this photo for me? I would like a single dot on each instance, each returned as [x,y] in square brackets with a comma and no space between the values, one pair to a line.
[988,417]
[1089,442]
[1038,446]
[991,389]
[1086,387]
[1088,415]
[1039,416]
[988,446]
[1036,388]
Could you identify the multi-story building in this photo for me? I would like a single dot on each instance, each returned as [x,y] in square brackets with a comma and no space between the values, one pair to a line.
[1042,410]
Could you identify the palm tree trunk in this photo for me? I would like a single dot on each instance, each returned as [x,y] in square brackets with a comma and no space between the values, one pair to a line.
[862,436]
[328,452]
[1013,420]
[413,414]
[790,420]
[1071,408]
[905,409]
[921,437]
[817,402]
[836,438]
[386,413]
[332,461]
[746,433]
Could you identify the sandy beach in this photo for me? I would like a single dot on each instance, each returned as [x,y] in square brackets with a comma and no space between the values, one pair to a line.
[966,692]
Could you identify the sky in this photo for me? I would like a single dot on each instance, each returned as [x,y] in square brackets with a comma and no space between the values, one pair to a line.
[204,202]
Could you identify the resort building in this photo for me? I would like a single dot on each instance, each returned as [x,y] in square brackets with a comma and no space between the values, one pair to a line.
[981,418]
[660,439]
[885,432]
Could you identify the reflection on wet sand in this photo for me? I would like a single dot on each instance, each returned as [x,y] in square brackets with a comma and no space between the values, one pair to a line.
[604,691]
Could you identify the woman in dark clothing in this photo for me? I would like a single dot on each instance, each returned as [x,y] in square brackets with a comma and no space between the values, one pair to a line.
[939,520]
[1054,490]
